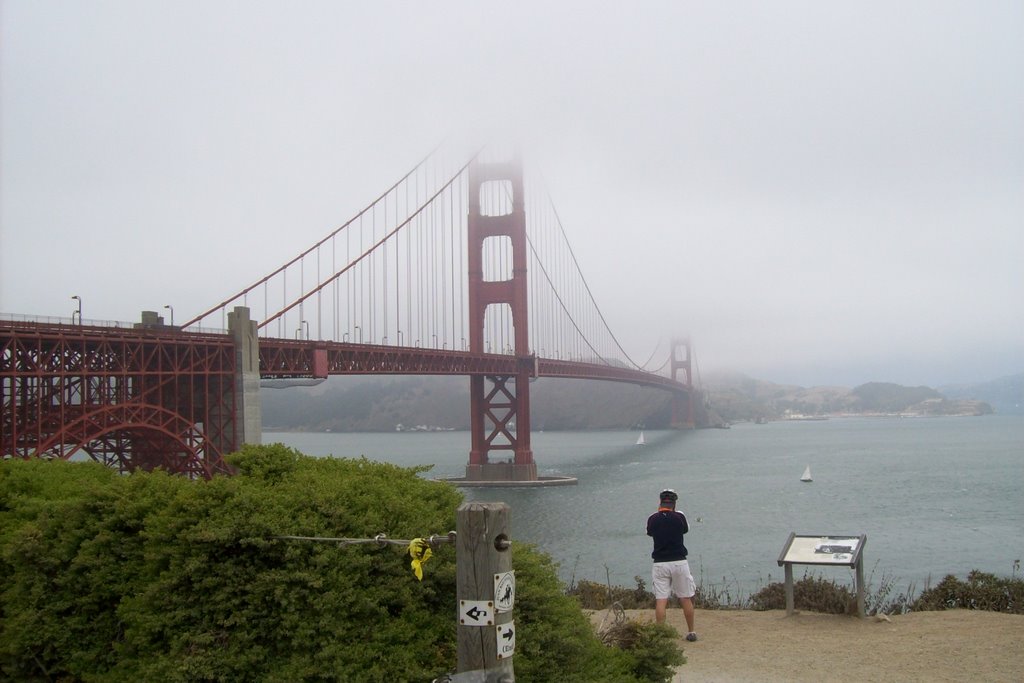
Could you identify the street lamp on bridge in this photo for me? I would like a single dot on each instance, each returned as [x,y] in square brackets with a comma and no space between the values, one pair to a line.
[171,309]
[79,311]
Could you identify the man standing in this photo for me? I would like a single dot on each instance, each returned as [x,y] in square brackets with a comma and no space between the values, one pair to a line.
[671,572]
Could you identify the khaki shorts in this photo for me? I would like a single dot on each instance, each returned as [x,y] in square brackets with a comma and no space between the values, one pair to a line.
[672,578]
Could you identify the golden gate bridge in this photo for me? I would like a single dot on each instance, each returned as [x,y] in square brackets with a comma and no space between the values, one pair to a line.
[459,268]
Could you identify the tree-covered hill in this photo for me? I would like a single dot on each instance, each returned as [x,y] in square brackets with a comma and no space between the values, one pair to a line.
[1005,394]
[738,398]
[370,404]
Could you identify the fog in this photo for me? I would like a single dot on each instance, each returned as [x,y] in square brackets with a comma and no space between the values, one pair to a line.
[816,193]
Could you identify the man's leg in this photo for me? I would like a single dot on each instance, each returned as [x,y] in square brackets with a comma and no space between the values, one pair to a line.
[687,605]
[659,610]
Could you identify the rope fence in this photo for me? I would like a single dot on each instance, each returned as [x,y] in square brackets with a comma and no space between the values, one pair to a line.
[381,540]
[420,549]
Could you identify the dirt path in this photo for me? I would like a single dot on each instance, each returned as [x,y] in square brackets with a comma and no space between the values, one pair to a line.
[744,645]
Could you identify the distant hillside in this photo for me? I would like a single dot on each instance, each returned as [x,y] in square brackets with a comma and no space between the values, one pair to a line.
[372,404]
[1005,395]
[381,404]
[739,398]
[882,397]
[361,404]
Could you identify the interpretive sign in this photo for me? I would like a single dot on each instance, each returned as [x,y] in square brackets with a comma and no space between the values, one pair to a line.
[842,551]
[476,612]
[821,550]
[505,591]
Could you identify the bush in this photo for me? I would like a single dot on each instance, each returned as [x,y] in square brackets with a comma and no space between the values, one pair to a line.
[651,648]
[980,591]
[593,595]
[154,577]
[715,596]
[810,593]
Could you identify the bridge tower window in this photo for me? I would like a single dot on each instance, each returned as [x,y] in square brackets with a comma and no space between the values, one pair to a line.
[496,198]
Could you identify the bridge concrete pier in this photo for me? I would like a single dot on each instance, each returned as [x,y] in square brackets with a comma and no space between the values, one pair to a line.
[507,484]
[248,417]
[501,471]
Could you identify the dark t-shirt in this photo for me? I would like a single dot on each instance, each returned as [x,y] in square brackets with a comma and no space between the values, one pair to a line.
[667,527]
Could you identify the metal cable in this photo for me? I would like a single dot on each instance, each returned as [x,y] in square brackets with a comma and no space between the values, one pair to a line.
[318,244]
[381,540]
[597,308]
[368,252]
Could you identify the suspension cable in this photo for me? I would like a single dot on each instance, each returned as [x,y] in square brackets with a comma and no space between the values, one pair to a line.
[369,251]
[310,250]
[597,308]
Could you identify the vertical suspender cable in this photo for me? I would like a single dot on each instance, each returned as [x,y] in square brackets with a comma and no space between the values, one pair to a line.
[319,300]
[463,277]
[375,283]
[408,270]
[336,334]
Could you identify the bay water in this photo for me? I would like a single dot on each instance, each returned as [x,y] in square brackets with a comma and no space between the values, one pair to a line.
[935,496]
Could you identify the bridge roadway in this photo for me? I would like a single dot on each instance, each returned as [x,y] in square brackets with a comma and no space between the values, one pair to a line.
[110,350]
[285,358]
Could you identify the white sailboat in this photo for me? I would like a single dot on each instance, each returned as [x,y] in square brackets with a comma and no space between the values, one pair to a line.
[640,440]
[807,474]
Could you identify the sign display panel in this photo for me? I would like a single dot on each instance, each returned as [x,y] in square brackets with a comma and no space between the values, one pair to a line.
[841,550]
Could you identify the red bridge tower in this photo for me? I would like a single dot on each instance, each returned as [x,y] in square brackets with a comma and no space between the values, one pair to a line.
[499,404]
[682,404]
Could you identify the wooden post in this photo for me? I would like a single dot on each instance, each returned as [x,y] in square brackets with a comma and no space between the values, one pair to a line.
[482,554]
[789,589]
[860,586]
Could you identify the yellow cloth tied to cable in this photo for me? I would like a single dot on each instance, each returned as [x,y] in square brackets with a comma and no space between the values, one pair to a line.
[420,552]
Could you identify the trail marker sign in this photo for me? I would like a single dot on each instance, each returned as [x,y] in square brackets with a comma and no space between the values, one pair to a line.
[506,640]
[476,612]
[505,591]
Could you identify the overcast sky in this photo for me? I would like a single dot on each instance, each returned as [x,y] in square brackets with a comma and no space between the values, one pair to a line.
[818,193]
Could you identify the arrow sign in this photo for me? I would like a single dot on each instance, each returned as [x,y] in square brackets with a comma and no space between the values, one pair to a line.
[506,640]
[476,612]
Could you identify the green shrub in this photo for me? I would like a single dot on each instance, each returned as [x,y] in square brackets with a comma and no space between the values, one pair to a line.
[154,577]
[810,593]
[980,591]
[593,595]
[651,649]
[719,596]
